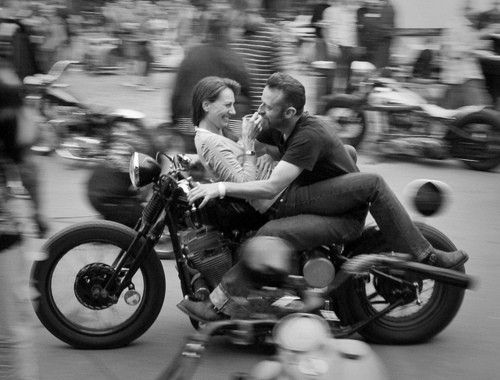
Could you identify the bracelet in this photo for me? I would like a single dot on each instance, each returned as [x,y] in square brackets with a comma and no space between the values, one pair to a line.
[222,189]
[250,153]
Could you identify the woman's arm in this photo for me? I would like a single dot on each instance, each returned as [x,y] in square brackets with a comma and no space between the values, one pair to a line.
[216,152]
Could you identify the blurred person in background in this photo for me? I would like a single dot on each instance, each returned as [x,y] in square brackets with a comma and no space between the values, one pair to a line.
[316,19]
[490,17]
[54,39]
[213,56]
[17,359]
[376,23]
[460,68]
[258,43]
[340,28]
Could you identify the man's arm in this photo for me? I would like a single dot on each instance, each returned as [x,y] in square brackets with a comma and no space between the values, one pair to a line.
[281,177]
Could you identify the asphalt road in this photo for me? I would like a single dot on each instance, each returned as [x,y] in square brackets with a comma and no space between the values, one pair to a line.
[467,349]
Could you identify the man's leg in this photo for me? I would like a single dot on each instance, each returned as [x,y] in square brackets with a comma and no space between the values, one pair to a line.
[302,231]
[356,190]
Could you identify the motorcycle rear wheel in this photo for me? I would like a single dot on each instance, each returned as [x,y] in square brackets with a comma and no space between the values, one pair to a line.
[78,258]
[409,323]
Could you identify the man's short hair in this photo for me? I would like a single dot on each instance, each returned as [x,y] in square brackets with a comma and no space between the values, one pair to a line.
[294,94]
[209,89]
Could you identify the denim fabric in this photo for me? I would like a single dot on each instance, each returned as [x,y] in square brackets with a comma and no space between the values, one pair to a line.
[353,191]
[304,231]
[339,206]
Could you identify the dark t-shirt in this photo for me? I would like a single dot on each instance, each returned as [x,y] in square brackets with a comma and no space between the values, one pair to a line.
[314,147]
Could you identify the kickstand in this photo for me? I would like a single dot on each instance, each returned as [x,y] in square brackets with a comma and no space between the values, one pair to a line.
[344,332]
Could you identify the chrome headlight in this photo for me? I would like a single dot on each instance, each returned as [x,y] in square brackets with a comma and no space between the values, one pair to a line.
[143,169]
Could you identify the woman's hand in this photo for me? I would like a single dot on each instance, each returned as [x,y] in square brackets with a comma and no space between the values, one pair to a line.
[206,191]
[250,129]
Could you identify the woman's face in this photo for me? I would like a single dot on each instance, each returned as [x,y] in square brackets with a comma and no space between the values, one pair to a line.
[220,111]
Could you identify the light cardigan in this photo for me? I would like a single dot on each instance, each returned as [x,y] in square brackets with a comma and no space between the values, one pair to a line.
[226,161]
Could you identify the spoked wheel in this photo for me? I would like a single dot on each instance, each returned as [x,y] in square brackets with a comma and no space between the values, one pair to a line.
[419,316]
[482,150]
[349,123]
[74,304]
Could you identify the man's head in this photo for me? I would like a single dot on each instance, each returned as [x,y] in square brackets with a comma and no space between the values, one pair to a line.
[283,101]
[213,98]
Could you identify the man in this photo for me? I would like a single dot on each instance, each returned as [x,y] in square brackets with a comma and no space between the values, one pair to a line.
[314,176]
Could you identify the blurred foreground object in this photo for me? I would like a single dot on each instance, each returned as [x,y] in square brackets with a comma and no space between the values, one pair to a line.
[306,350]
[428,197]
[16,356]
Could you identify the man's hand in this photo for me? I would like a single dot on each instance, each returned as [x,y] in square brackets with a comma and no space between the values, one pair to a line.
[206,191]
[265,164]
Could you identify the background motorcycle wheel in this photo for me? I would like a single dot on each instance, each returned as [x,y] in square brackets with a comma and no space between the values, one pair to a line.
[349,122]
[55,278]
[484,126]
[403,325]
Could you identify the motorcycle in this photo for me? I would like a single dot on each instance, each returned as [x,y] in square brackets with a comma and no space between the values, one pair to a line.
[101,285]
[76,131]
[404,123]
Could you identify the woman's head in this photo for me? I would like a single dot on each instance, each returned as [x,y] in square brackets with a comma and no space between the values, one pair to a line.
[213,101]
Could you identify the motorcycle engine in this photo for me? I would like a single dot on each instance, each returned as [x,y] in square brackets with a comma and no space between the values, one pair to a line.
[208,252]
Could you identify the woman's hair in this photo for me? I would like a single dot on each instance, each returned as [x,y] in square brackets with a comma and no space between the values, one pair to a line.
[293,91]
[209,89]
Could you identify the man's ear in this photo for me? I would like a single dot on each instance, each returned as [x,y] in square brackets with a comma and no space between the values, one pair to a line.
[290,112]
[205,105]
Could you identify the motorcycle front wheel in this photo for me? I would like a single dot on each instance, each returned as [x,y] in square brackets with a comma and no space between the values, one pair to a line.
[72,304]
[416,320]
[349,123]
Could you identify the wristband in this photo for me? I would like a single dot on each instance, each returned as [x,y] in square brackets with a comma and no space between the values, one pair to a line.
[222,189]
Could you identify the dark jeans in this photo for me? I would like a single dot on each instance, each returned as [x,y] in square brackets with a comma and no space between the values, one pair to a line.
[336,198]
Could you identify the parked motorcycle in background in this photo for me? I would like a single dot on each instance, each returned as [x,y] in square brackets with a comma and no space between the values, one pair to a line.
[75,130]
[404,123]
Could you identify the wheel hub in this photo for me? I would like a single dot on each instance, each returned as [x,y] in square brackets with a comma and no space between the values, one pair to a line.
[393,291]
[89,286]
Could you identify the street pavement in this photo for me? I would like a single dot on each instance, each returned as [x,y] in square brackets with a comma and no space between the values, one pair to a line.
[467,349]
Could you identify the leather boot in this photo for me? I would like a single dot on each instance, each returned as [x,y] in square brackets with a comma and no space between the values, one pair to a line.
[203,311]
[449,260]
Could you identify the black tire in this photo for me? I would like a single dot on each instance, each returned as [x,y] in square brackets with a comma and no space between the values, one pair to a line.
[73,328]
[348,121]
[485,154]
[429,319]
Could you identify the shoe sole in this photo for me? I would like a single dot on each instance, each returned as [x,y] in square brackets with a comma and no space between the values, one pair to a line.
[192,316]
[460,263]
